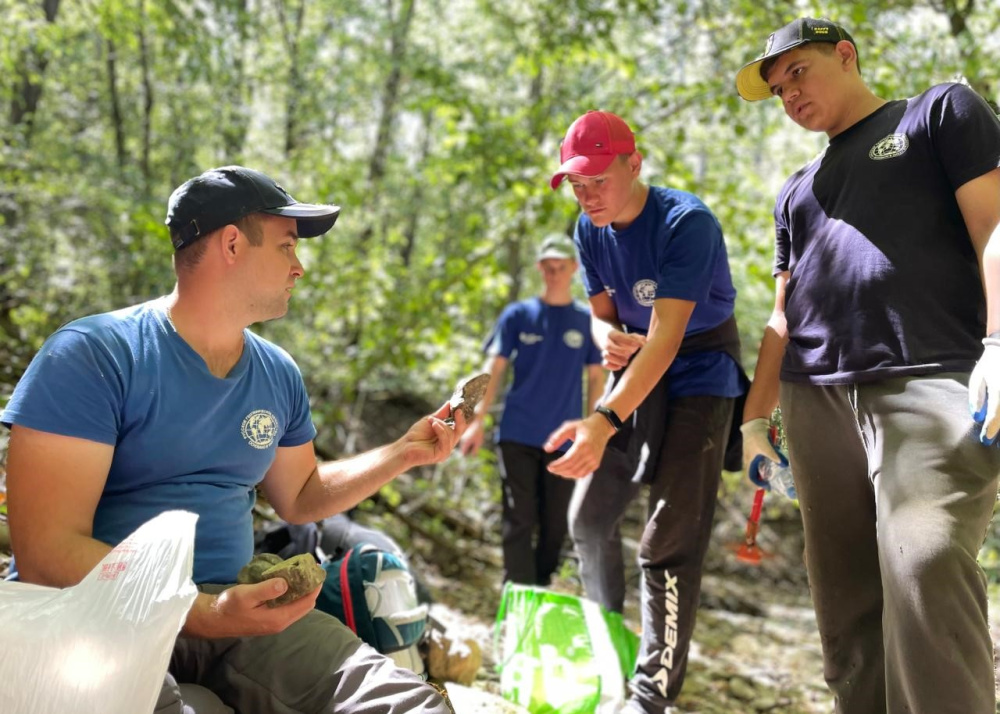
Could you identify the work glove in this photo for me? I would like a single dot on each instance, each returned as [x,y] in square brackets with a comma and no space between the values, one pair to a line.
[984,391]
[757,442]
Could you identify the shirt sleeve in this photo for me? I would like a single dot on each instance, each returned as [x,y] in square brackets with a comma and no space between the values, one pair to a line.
[503,339]
[73,387]
[591,280]
[301,429]
[965,133]
[687,264]
[593,353]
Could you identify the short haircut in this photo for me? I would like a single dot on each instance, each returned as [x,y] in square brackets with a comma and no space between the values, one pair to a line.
[188,256]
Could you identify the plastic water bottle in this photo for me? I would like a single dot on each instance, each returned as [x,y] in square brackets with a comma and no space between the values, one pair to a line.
[775,477]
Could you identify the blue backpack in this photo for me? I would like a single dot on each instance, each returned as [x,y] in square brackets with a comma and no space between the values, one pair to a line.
[373,592]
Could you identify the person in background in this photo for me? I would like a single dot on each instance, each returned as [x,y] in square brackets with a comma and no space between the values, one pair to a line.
[548,340]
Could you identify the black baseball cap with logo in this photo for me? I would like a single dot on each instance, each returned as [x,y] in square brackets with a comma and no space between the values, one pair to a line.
[221,196]
[752,86]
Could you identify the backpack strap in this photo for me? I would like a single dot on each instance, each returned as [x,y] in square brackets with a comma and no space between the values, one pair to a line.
[345,590]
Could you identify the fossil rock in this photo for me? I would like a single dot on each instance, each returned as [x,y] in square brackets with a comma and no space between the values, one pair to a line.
[253,571]
[466,396]
[302,573]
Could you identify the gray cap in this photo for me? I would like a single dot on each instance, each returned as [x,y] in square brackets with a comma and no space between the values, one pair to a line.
[556,245]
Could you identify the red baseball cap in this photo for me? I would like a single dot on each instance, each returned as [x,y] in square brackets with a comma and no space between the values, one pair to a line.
[592,142]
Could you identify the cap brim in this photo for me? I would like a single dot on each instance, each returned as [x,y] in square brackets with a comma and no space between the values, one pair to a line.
[582,165]
[554,254]
[750,85]
[312,219]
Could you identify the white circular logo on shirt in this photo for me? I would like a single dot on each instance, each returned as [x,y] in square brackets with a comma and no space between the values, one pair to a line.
[573,339]
[259,428]
[644,292]
[890,147]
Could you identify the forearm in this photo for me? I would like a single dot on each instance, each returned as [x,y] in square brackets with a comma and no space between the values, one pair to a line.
[642,374]
[595,387]
[763,396]
[336,486]
[991,281]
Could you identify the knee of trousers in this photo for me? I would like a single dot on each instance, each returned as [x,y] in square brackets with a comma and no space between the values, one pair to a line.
[939,571]
[591,530]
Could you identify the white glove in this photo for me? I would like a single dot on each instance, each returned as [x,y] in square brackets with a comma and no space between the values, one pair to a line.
[756,441]
[984,391]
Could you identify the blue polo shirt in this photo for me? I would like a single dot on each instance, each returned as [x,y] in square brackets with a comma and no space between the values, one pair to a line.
[673,249]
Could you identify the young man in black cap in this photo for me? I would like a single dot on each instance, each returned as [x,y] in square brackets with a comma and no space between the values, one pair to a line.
[883,246]
[656,270]
[549,342]
[175,404]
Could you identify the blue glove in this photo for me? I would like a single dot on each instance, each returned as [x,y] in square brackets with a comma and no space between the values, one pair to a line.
[753,472]
[984,391]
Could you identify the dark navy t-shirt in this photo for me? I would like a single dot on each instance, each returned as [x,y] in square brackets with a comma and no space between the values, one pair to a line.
[673,249]
[549,346]
[884,278]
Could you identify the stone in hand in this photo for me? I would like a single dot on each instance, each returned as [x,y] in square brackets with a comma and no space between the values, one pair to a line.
[467,395]
[253,571]
[302,573]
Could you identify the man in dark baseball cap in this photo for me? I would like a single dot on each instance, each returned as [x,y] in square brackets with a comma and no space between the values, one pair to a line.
[885,361]
[751,81]
[175,404]
[224,195]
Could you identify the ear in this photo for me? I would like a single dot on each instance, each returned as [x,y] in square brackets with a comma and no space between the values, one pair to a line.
[847,53]
[635,163]
[229,242]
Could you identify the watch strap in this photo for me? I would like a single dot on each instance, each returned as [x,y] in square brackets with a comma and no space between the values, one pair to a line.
[610,415]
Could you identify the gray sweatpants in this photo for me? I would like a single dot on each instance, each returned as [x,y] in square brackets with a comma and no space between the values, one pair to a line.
[896,495]
[686,437]
[315,666]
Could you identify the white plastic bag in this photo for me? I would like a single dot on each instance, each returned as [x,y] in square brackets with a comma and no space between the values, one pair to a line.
[103,645]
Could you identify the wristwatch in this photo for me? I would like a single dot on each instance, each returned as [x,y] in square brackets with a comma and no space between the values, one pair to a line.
[610,415]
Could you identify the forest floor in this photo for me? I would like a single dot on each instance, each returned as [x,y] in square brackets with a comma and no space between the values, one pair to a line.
[756,647]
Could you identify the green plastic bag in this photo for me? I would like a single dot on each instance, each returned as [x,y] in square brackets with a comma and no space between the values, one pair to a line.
[561,654]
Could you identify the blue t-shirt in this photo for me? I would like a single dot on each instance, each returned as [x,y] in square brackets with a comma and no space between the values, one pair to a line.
[183,438]
[549,346]
[884,280]
[673,249]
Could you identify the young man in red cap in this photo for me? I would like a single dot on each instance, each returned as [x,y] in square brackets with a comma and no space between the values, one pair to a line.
[176,404]
[880,316]
[655,268]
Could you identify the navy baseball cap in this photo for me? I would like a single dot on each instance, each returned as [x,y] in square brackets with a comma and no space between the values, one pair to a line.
[221,196]
[796,33]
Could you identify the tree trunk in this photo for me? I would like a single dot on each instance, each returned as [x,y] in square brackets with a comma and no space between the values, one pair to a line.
[116,110]
[147,107]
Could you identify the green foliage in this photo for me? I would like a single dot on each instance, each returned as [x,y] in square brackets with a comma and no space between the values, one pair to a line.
[434,124]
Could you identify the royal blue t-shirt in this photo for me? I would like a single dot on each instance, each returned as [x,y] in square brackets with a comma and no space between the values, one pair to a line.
[548,346]
[673,249]
[884,280]
[183,438]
